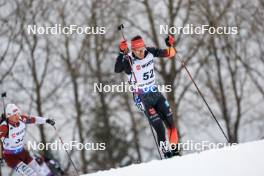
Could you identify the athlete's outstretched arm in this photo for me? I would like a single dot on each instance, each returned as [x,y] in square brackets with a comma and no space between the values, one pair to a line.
[33,119]
[36,120]
[168,52]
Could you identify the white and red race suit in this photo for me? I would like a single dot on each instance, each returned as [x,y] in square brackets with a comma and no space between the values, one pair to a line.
[12,136]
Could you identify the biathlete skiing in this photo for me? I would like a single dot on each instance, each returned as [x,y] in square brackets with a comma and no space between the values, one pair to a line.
[12,132]
[138,65]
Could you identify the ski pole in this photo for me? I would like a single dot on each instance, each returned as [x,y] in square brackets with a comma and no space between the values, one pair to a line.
[120,28]
[75,168]
[202,96]
[157,145]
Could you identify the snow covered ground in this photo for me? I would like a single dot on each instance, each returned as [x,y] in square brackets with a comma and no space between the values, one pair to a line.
[240,160]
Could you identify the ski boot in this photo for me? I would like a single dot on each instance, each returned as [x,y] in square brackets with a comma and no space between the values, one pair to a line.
[166,153]
[175,151]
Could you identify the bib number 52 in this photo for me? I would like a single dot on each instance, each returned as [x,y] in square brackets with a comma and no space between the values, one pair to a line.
[148,74]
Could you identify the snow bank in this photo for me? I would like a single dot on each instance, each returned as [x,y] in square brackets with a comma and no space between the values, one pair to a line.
[239,160]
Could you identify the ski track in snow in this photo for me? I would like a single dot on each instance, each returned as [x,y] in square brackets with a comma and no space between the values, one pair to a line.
[239,160]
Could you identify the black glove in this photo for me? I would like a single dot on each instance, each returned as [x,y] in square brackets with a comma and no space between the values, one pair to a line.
[50,121]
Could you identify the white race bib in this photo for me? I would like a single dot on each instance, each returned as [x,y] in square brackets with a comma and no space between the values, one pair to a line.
[15,138]
[143,70]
